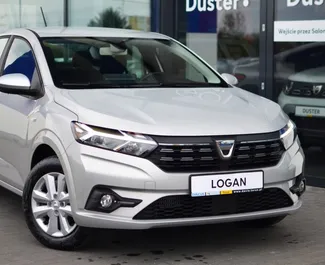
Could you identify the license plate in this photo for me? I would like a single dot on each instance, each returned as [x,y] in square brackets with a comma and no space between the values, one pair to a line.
[223,184]
[310,112]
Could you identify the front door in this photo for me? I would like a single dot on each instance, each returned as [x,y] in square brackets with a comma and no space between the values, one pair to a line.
[14,113]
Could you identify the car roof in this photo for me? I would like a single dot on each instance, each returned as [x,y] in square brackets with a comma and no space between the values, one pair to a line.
[87,32]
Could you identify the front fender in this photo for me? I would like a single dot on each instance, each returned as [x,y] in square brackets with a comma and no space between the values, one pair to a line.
[50,139]
[51,125]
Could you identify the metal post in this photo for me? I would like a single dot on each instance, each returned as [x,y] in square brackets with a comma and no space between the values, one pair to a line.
[167,19]
[65,13]
[270,16]
[20,11]
[155,15]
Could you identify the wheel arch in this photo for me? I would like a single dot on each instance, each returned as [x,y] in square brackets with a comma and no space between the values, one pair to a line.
[48,142]
[41,152]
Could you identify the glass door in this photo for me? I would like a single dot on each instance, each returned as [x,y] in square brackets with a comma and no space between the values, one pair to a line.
[299,76]
[239,44]
[228,35]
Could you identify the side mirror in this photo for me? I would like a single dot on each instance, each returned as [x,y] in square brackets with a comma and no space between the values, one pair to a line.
[18,84]
[230,79]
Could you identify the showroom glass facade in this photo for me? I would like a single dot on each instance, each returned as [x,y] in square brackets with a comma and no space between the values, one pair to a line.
[299,74]
[276,48]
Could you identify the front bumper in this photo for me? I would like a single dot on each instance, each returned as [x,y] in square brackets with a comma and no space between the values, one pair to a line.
[131,177]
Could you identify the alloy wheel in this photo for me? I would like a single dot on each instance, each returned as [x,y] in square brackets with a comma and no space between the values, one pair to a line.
[51,207]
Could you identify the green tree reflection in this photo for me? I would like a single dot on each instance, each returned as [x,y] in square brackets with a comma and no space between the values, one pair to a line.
[110,18]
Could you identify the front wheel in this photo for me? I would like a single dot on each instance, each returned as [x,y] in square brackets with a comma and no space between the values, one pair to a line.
[47,209]
[263,223]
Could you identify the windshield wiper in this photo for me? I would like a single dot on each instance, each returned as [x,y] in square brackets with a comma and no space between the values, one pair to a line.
[86,85]
[191,84]
[107,86]
[138,85]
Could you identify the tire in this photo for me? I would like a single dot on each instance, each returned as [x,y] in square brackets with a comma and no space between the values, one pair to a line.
[67,241]
[262,223]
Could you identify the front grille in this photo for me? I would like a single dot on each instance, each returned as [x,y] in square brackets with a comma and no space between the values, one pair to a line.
[185,206]
[199,154]
[303,89]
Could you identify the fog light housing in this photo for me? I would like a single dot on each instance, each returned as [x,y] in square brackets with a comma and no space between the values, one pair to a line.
[302,186]
[106,201]
[103,199]
[299,187]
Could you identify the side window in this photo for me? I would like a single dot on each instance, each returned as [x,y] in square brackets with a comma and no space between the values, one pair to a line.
[3,43]
[20,60]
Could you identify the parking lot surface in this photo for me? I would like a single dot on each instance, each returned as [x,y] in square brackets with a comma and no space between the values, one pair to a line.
[299,239]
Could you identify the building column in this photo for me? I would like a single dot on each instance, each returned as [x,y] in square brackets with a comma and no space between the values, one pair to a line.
[65,13]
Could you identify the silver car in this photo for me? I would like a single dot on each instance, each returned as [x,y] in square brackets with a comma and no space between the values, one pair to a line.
[120,129]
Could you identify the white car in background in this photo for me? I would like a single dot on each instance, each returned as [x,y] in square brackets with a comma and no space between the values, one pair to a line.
[303,99]
[299,81]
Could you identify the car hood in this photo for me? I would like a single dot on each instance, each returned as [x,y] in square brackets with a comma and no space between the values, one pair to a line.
[314,75]
[175,111]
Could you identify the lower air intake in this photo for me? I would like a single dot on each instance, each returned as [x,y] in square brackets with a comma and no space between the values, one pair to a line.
[185,206]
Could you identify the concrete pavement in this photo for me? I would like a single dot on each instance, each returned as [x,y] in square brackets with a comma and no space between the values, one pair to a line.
[299,239]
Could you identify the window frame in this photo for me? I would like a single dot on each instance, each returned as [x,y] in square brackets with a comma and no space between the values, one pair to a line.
[4,58]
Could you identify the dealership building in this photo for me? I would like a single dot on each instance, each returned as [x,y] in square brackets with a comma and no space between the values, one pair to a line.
[275,48]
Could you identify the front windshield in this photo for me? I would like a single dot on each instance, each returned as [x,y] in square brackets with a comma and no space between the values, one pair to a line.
[125,62]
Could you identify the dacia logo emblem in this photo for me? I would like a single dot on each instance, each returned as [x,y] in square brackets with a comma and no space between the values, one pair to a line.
[225,148]
[317,89]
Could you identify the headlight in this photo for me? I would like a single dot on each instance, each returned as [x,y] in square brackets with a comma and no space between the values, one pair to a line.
[114,140]
[288,134]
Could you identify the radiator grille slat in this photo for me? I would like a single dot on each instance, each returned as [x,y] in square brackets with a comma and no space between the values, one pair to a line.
[200,157]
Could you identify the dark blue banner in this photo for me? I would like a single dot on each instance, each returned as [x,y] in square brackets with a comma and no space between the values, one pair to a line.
[201,22]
